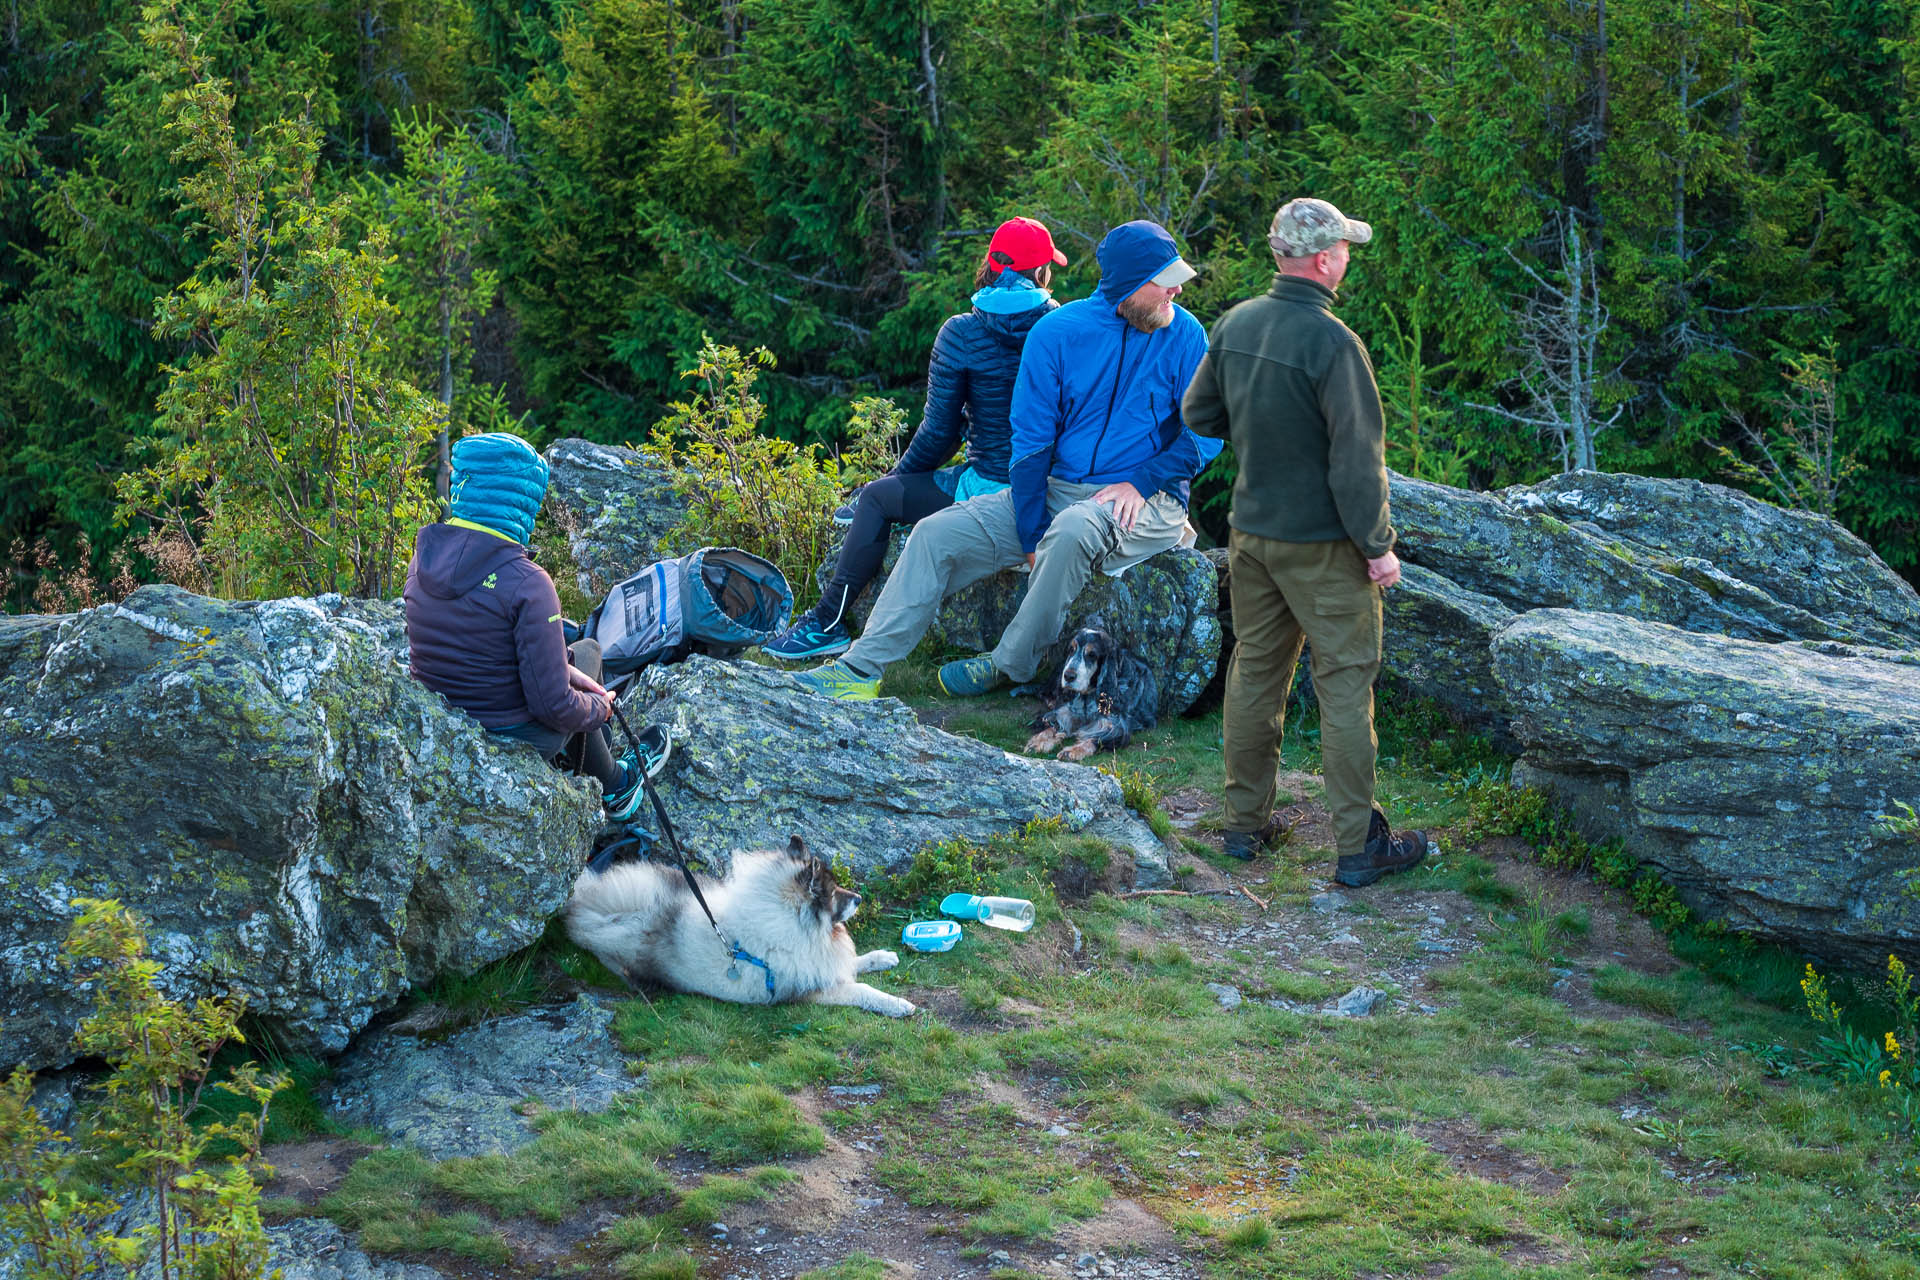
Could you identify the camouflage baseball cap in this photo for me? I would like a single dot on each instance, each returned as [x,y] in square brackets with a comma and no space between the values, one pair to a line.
[1305,226]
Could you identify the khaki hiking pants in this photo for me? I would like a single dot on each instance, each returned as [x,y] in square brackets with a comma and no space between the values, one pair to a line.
[1284,593]
[959,546]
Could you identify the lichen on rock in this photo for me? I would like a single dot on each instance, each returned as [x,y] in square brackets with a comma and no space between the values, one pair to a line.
[757,758]
[296,819]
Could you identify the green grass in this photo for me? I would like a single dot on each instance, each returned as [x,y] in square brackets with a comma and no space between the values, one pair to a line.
[1608,1143]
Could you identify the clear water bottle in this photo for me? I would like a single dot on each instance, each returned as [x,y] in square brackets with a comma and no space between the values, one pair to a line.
[1000,913]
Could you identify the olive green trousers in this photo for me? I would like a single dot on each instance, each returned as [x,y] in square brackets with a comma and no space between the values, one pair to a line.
[1285,593]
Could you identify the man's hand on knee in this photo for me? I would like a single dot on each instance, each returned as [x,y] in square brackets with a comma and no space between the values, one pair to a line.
[1126,501]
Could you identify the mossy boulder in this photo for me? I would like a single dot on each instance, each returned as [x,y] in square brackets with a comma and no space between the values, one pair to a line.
[1753,777]
[617,506]
[296,819]
[757,757]
[1696,556]
[1700,557]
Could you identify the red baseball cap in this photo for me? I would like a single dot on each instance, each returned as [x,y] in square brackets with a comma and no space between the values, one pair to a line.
[1021,244]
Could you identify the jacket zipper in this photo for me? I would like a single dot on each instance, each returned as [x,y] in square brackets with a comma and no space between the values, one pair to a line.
[1111,397]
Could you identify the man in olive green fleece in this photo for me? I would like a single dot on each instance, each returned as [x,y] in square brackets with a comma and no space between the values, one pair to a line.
[1312,546]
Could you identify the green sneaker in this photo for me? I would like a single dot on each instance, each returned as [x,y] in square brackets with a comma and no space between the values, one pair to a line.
[838,680]
[970,677]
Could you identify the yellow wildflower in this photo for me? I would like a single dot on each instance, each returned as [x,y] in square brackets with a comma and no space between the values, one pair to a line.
[1893,1046]
[1885,1078]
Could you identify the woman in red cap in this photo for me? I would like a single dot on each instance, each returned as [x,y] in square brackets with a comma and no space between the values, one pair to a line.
[969,387]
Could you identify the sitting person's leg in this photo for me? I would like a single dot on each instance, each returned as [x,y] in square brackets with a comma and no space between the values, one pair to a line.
[886,502]
[592,748]
[1082,535]
[947,551]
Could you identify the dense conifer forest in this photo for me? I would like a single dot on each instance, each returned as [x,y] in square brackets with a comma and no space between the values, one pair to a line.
[256,256]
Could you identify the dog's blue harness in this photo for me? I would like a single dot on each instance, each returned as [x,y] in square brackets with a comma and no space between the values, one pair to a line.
[741,953]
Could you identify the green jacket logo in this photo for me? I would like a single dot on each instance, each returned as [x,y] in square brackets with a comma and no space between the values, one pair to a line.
[492,581]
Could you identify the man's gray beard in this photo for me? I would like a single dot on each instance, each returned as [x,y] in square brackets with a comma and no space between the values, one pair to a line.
[1146,318]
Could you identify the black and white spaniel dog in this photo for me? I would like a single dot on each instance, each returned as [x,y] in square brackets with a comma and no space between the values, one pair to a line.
[1103,695]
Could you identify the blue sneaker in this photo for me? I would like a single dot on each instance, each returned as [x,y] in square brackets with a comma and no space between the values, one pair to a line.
[838,680]
[843,514]
[970,677]
[806,638]
[655,747]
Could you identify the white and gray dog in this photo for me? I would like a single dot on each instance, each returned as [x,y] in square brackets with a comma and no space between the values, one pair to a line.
[1104,694]
[783,912]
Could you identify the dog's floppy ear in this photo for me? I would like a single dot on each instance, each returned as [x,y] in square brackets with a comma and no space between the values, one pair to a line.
[797,849]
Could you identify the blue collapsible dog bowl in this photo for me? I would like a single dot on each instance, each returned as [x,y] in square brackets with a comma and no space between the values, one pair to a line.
[930,935]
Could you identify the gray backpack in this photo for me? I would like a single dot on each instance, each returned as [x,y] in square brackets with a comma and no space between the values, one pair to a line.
[716,601]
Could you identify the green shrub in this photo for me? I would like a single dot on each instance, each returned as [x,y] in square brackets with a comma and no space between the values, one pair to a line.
[1499,808]
[752,490]
[285,457]
[149,1129]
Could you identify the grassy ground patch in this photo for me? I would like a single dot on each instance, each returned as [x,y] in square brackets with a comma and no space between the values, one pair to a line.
[1546,1087]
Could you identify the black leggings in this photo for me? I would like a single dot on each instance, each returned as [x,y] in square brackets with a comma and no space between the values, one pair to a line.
[888,501]
[595,745]
[588,752]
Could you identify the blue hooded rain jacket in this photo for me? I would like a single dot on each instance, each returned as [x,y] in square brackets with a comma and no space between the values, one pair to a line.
[1097,401]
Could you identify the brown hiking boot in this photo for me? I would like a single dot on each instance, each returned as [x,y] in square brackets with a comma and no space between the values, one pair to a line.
[1244,845]
[1385,854]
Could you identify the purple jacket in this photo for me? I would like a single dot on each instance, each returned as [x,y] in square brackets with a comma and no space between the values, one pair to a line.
[483,624]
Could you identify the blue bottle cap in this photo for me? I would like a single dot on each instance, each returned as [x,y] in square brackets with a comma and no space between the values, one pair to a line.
[963,906]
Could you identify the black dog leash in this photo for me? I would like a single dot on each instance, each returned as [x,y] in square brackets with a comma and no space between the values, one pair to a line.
[737,951]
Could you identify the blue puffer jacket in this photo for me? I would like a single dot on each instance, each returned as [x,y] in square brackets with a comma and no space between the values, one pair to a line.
[1097,401]
[970,380]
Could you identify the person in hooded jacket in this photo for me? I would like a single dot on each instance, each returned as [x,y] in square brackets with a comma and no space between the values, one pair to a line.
[484,625]
[970,378]
[1099,479]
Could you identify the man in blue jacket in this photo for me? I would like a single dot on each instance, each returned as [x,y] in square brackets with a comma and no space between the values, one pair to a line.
[1101,467]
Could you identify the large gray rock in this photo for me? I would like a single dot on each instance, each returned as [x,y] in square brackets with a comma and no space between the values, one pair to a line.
[295,817]
[617,506]
[467,1094]
[1696,556]
[757,757]
[1750,776]
[1437,638]
[1707,534]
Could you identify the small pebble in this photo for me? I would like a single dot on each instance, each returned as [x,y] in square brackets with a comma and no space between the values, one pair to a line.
[1059,1131]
